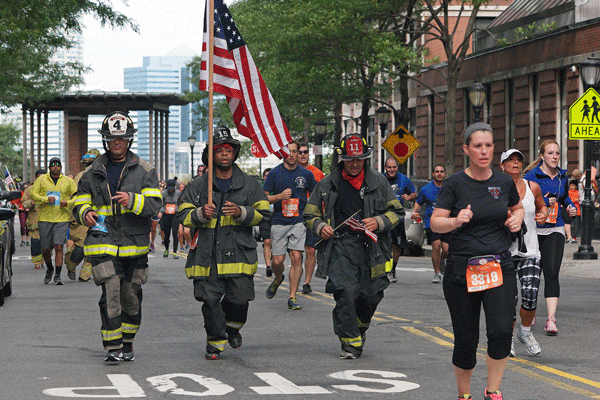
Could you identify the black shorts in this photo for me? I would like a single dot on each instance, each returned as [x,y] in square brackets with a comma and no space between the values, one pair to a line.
[565,216]
[433,236]
[398,235]
[265,231]
[311,239]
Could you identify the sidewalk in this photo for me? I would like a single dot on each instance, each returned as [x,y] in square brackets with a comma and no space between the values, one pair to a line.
[578,268]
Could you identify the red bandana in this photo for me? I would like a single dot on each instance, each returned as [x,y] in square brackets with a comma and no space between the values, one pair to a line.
[355,181]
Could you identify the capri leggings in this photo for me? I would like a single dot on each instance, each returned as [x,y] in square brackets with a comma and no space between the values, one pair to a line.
[465,309]
[552,247]
[170,226]
[528,271]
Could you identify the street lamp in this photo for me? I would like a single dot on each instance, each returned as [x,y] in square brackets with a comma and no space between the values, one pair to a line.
[192,142]
[320,130]
[477,98]
[589,70]
[382,115]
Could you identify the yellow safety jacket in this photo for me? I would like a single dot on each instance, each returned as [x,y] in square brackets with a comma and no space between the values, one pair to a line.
[44,187]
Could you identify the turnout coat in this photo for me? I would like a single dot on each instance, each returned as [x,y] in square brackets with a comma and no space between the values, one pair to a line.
[128,227]
[226,240]
[380,203]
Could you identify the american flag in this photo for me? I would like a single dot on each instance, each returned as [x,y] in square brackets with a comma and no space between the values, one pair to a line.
[8,179]
[235,75]
[359,225]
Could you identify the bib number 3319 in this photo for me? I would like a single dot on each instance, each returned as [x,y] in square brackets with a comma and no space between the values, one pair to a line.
[483,273]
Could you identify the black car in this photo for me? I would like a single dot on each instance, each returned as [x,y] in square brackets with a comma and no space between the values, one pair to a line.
[7,238]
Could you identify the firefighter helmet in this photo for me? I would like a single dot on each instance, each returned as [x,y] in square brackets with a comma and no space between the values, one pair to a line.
[117,124]
[222,135]
[353,147]
[90,156]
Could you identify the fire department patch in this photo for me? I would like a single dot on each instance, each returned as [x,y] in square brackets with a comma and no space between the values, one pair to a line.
[495,191]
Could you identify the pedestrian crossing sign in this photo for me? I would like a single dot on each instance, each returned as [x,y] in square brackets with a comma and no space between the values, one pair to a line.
[401,144]
[584,117]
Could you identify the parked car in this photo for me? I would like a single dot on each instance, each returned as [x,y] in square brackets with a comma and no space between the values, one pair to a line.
[7,239]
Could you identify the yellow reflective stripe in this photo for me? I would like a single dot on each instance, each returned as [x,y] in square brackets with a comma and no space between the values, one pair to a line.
[111,335]
[234,324]
[362,324]
[382,268]
[217,344]
[82,199]
[237,268]
[129,328]
[187,221]
[105,210]
[196,271]
[227,220]
[100,249]
[213,223]
[185,206]
[83,210]
[37,259]
[138,203]
[151,192]
[262,205]
[354,342]
[129,251]
[312,210]
[392,214]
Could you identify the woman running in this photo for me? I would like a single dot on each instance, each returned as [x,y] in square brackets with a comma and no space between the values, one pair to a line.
[551,234]
[480,208]
[525,250]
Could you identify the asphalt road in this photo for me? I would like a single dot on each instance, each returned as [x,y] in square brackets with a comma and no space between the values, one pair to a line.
[51,345]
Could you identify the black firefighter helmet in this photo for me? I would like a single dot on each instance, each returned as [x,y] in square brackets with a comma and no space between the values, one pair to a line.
[222,135]
[352,147]
[117,124]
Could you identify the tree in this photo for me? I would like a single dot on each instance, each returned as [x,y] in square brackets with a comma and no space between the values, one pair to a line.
[10,136]
[30,34]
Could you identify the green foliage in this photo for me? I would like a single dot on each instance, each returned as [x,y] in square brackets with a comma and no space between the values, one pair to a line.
[10,136]
[527,32]
[30,34]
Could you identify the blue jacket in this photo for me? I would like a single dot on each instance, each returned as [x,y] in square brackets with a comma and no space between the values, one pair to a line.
[558,186]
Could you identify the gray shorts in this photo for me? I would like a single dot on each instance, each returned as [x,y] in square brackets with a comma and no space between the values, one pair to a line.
[287,237]
[53,233]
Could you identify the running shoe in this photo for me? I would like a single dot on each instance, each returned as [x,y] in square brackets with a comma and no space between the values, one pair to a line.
[182,249]
[22,243]
[306,289]
[394,280]
[48,277]
[27,244]
[551,329]
[38,266]
[127,354]
[346,355]
[495,395]
[464,396]
[272,288]
[213,356]
[71,274]
[293,304]
[269,271]
[513,353]
[175,256]
[532,346]
[113,356]
[437,278]
[166,254]
[57,280]
[151,247]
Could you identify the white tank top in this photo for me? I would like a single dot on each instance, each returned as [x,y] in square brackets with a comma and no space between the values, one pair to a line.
[531,240]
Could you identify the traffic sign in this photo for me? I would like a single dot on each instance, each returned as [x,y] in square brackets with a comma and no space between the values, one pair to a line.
[584,117]
[401,144]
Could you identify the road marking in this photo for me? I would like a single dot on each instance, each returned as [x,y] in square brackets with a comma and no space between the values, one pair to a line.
[279,385]
[397,385]
[165,384]
[122,383]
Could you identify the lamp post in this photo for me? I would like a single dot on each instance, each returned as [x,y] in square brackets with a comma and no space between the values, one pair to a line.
[192,142]
[320,130]
[382,115]
[589,70]
[477,98]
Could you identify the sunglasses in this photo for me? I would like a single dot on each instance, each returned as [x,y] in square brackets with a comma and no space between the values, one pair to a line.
[303,152]
[54,164]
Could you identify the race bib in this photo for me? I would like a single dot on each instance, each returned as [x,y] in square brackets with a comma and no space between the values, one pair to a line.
[552,213]
[290,207]
[56,196]
[170,208]
[483,273]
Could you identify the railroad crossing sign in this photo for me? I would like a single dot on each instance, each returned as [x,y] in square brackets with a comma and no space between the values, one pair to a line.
[584,117]
[401,144]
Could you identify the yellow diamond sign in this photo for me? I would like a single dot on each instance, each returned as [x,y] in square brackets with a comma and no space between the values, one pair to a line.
[584,117]
[401,144]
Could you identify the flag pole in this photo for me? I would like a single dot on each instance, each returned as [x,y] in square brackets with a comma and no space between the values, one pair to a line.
[339,226]
[211,56]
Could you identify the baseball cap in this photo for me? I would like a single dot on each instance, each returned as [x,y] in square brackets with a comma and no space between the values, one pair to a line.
[506,154]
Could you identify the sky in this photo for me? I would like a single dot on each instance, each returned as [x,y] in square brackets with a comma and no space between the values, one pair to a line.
[163,26]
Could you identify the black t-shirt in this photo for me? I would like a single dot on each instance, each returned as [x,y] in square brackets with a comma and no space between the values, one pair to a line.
[490,199]
[349,201]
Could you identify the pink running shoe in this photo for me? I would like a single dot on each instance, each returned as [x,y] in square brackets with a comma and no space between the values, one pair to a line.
[551,329]
[495,395]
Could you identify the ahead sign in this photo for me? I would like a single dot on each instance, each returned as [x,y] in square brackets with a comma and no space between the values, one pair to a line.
[584,117]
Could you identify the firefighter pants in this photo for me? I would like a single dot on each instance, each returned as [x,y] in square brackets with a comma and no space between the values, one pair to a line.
[121,301]
[73,257]
[356,294]
[36,251]
[224,305]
